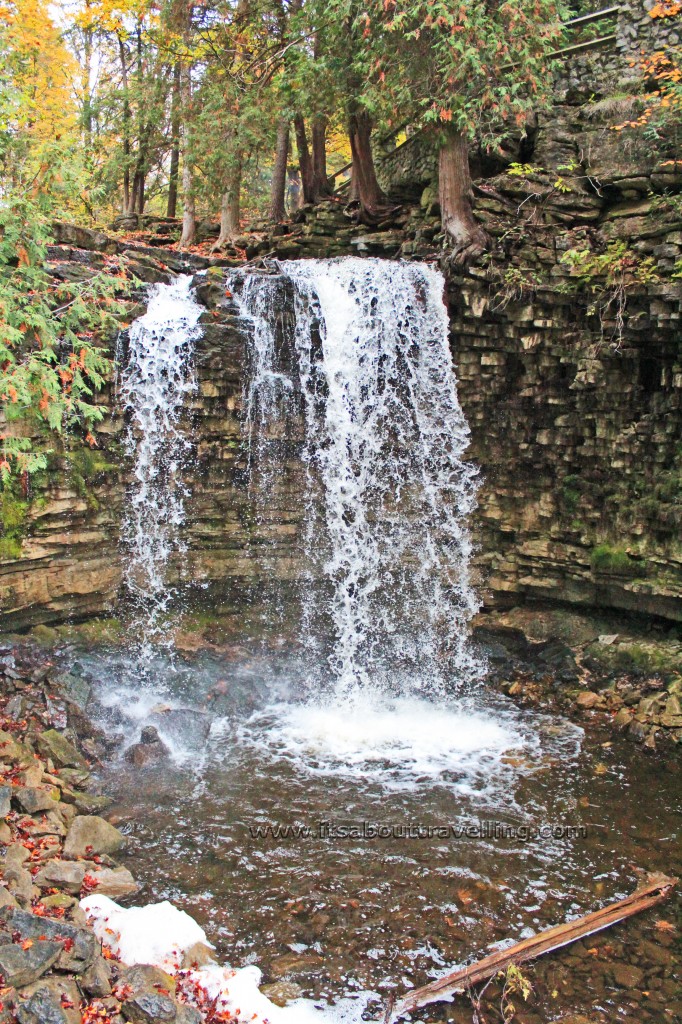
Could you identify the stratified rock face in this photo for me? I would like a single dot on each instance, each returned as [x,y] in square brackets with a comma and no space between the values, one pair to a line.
[575,422]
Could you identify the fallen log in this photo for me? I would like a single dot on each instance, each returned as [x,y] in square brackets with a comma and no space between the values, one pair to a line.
[653,890]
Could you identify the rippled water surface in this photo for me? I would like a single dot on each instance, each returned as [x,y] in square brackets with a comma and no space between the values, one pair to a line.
[369,846]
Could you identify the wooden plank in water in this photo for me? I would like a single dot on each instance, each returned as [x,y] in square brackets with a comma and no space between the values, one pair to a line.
[653,890]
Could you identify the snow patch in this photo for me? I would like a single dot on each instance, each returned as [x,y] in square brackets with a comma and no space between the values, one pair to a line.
[160,934]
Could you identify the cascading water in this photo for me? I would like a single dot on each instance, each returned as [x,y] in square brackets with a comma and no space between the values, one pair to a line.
[367,360]
[157,378]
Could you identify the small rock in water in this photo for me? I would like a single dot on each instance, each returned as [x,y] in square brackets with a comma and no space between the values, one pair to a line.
[282,992]
[150,749]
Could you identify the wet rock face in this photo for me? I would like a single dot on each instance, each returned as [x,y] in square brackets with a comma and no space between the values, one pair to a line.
[575,424]
[150,750]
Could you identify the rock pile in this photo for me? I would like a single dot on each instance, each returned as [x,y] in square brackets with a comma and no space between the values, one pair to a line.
[56,850]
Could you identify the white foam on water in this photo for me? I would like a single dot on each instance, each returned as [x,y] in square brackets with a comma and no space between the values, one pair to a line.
[407,743]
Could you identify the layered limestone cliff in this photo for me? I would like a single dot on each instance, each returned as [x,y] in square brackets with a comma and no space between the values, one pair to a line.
[567,344]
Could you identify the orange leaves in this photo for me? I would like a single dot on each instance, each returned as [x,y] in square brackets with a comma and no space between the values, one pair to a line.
[22,256]
[445,114]
[666,9]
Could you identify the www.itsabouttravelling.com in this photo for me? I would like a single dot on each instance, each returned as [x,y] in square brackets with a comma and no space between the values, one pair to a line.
[495,830]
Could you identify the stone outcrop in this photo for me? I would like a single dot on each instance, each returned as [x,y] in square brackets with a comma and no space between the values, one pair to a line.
[569,371]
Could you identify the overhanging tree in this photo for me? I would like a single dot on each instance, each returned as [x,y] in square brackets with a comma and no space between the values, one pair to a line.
[470,72]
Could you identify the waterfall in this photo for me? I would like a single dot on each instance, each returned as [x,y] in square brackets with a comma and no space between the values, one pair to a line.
[158,376]
[366,362]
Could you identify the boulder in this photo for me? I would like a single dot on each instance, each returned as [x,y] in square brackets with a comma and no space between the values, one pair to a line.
[50,1001]
[91,803]
[33,800]
[189,727]
[20,883]
[141,977]
[187,1015]
[5,800]
[77,946]
[62,874]
[90,834]
[96,981]
[20,967]
[149,750]
[198,955]
[12,751]
[61,751]
[15,855]
[282,992]
[82,238]
[588,700]
[114,882]
[149,1006]
[6,898]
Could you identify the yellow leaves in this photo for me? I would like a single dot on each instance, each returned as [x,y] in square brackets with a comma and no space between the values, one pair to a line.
[43,70]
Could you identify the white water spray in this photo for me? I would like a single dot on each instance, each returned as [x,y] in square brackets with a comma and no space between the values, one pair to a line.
[158,377]
[370,362]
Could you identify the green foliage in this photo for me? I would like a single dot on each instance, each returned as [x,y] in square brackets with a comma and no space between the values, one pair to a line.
[473,68]
[85,467]
[517,283]
[516,170]
[52,359]
[607,559]
[516,983]
[13,519]
[610,276]
[572,489]
[617,266]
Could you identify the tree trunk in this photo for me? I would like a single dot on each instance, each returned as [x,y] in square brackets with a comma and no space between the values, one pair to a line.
[455,194]
[304,161]
[172,206]
[320,180]
[126,207]
[140,196]
[229,207]
[189,219]
[370,196]
[87,84]
[279,172]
